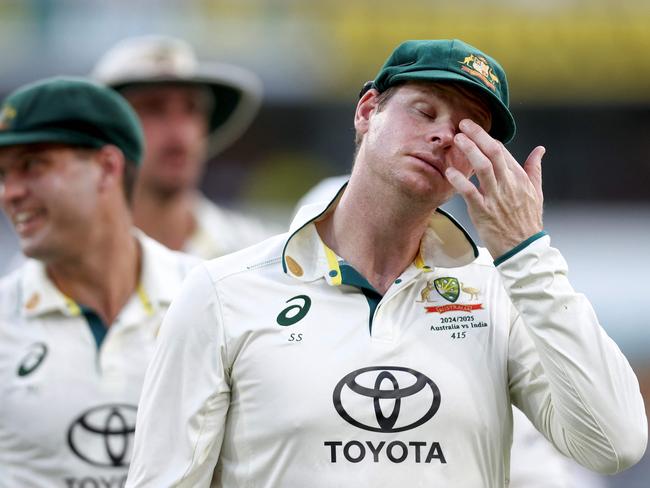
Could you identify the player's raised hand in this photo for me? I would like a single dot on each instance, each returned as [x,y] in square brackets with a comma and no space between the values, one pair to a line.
[506,207]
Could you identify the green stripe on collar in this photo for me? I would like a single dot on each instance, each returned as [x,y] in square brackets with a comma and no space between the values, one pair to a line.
[96,324]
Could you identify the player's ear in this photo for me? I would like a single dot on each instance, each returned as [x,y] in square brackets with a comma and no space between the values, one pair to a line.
[111,163]
[366,106]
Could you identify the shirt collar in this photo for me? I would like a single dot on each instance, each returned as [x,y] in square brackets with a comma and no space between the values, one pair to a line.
[39,294]
[159,280]
[445,244]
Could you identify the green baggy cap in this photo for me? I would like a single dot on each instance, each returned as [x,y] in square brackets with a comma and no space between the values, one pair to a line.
[71,111]
[457,62]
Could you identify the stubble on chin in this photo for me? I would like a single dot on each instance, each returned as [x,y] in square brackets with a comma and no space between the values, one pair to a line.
[166,193]
[415,188]
[161,189]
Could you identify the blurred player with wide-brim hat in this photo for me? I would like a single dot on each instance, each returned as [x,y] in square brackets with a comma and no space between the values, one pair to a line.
[190,111]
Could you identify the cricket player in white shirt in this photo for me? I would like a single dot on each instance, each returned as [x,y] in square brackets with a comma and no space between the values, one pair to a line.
[79,318]
[535,463]
[375,344]
[190,111]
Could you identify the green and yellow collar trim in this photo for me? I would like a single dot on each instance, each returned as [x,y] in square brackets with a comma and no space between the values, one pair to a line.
[41,296]
[445,244]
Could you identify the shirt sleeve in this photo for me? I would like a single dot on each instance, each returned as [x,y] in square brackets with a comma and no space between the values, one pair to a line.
[186,393]
[565,373]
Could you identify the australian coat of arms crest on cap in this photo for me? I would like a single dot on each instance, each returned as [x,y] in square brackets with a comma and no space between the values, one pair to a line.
[478,66]
[7,114]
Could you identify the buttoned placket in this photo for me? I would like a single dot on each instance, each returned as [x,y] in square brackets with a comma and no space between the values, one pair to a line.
[388,330]
[136,314]
[379,330]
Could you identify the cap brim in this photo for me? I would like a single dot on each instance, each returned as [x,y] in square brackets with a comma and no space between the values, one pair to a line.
[49,136]
[503,123]
[237,94]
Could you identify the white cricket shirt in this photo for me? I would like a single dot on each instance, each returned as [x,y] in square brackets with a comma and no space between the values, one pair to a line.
[69,387]
[535,463]
[279,366]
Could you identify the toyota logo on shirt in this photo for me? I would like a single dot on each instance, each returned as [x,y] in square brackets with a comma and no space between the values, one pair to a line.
[103,435]
[386,399]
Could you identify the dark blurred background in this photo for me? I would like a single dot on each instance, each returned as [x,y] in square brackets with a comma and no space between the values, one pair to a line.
[579,72]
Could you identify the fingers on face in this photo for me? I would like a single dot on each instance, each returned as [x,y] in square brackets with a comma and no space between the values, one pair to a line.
[493,150]
[479,161]
[493,164]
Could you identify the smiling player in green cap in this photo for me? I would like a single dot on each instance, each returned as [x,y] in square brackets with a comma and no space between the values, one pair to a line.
[78,320]
[375,345]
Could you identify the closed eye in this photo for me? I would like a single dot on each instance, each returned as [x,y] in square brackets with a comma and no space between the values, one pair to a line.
[25,165]
[30,163]
[426,114]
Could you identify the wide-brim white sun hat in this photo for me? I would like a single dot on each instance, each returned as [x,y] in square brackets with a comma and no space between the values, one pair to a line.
[155,59]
